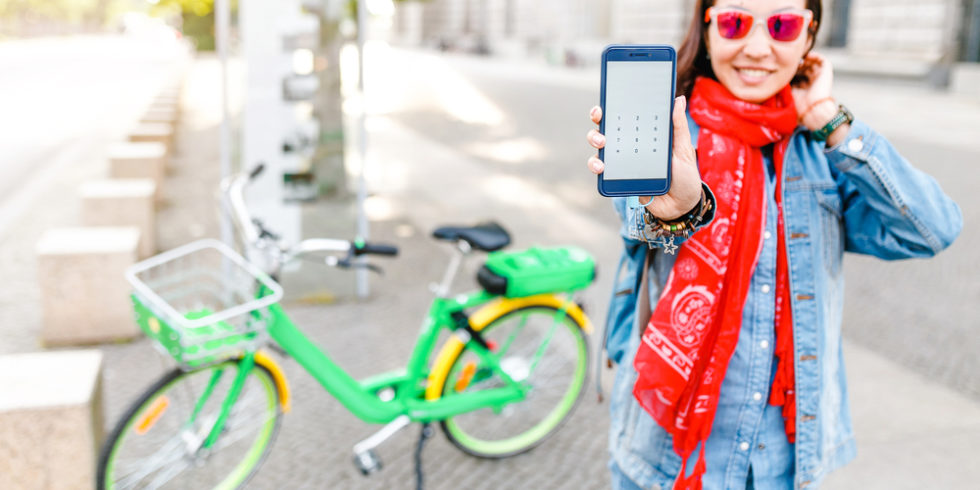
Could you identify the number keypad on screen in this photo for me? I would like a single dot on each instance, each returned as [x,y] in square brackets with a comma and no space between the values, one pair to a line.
[640,136]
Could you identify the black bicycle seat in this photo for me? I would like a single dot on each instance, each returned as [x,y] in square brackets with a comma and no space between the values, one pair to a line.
[487,236]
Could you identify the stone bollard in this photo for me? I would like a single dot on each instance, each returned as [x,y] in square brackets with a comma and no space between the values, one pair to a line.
[158,116]
[165,102]
[84,294]
[122,202]
[50,419]
[153,133]
[138,161]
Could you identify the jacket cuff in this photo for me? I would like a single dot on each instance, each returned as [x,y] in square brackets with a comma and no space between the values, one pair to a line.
[854,149]
[639,229]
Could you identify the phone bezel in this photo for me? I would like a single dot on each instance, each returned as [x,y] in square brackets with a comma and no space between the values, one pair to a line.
[637,54]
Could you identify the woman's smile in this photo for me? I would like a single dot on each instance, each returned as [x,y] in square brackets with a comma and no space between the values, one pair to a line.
[753,76]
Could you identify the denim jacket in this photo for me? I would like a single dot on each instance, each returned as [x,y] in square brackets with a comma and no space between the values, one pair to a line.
[859,196]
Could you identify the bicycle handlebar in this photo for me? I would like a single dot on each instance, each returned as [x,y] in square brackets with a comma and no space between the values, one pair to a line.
[254,235]
[364,248]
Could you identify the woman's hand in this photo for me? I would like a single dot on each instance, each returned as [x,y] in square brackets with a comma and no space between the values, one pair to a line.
[820,75]
[814,103]
[685,180]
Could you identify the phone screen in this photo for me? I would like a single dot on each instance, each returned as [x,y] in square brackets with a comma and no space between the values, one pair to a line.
[637,119]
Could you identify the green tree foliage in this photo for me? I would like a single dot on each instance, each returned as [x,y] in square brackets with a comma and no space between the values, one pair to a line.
[197,19]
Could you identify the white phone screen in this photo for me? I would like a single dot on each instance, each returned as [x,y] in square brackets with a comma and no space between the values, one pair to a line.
[637,119]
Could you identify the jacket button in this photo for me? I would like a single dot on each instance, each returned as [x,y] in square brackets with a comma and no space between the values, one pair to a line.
[744,446]
[855,145]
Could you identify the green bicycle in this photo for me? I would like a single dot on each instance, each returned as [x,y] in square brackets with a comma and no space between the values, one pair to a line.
[509,374]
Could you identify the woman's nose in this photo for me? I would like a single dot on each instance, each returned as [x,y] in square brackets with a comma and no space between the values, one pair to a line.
[758,43]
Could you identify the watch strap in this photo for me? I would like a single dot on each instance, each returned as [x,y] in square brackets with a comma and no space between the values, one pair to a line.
[843,116]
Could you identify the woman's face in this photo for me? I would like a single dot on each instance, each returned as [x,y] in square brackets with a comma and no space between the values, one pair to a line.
[756,67]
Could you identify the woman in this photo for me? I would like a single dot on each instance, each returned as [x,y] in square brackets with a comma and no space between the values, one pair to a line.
[729,348]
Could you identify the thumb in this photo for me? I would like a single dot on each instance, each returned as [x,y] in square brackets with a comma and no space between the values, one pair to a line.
[682,134]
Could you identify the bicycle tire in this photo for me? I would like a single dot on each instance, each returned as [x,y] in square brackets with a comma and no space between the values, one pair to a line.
[465,435]
[138,411]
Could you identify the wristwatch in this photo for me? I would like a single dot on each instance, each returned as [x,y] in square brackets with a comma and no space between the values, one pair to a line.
[843,116]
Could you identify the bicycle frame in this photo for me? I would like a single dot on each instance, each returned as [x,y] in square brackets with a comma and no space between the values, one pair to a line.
[409,384]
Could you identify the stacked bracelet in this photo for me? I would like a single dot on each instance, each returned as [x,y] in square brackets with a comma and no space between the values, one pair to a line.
[680,227]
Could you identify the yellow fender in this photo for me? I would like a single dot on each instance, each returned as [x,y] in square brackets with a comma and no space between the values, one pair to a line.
[278,377]
[483,317]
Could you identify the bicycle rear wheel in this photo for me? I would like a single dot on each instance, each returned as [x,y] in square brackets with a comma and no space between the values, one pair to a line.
[537,344]
[158,442]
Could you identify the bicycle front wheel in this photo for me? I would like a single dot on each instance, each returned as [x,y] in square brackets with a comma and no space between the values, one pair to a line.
[159,442]
[539,345]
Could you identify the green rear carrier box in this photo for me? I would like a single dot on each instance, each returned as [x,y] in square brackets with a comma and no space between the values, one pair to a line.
[537,271]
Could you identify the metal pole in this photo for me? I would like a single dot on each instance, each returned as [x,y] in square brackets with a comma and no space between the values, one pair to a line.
[362,224]
[222,16]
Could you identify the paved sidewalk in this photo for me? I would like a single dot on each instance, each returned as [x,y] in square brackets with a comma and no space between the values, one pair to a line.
[911,432]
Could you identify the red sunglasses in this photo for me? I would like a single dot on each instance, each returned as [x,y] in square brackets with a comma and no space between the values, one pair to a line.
[785,25]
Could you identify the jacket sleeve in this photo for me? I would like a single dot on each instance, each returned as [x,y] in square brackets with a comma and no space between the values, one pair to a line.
[635,231]
[890,209]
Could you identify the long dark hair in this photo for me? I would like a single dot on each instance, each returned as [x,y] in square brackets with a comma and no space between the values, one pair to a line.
[692,57]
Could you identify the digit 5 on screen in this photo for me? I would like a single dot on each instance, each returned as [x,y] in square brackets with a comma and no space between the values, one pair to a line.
[637,100]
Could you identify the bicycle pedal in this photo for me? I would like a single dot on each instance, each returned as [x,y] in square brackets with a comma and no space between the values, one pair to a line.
[368,462]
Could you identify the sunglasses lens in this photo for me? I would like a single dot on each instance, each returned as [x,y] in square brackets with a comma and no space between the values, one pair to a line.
[734,25]
[786,26]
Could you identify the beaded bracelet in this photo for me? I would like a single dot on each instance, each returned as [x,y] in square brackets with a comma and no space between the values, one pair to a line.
[680,227]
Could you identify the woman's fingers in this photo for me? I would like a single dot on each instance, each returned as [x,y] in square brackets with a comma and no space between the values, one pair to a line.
[595,165]
[596,139]
[596,114]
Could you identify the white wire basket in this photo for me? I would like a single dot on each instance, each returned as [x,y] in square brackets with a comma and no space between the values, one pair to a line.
[202,302]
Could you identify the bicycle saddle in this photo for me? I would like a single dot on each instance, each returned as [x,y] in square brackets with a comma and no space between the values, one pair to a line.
[487,236]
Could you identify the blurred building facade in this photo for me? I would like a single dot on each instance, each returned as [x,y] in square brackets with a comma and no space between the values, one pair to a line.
[914,38]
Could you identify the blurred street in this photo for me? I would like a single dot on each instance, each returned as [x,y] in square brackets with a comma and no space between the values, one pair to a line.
[455,139]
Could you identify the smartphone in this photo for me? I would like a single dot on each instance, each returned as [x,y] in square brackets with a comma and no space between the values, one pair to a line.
[637,100]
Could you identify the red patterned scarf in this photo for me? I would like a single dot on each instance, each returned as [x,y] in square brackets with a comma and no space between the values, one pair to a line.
[694,328]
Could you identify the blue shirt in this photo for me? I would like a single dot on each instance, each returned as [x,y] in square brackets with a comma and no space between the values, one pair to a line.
[747,430]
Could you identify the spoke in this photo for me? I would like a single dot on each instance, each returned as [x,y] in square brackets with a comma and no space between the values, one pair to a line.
[171,452]
[544,344]
[510,339]
[171,471]
[232,437]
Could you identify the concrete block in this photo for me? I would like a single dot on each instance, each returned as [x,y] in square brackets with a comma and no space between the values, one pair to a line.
[138,161]
[159,115]
[153,133]
[965,79]
[165,102]
[50,419]
[84,295]
[122,202]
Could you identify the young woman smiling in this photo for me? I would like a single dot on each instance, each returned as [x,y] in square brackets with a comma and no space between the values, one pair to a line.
[730,371]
